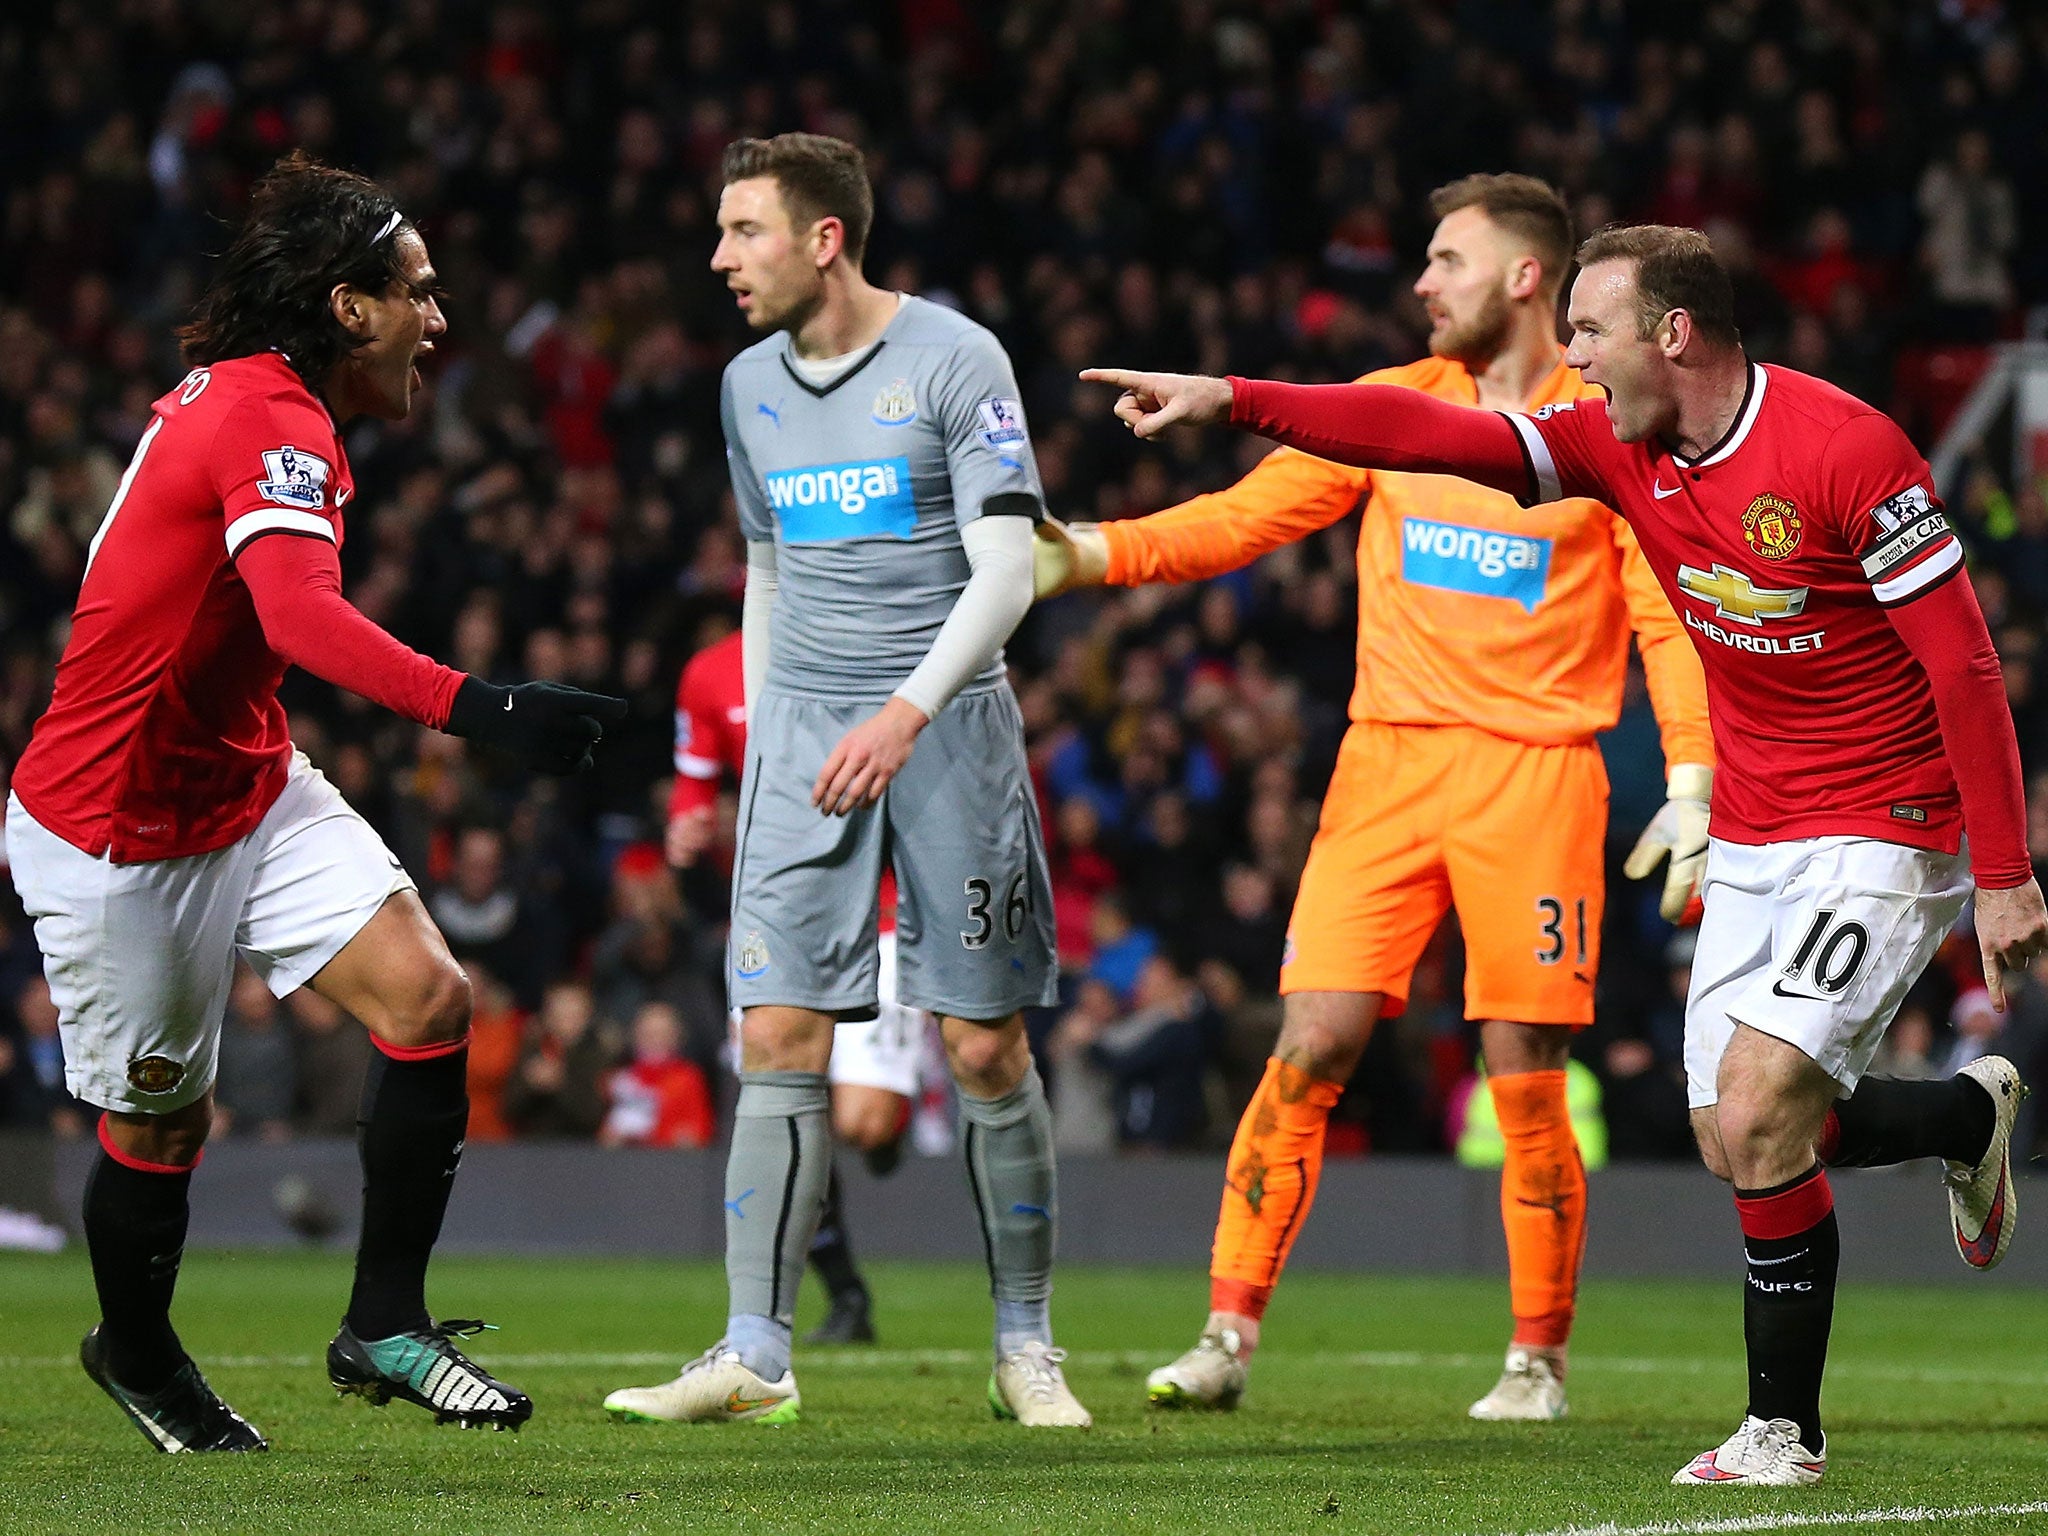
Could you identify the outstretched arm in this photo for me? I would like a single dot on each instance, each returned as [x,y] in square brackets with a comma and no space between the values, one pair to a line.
[295,584]
[1374,426]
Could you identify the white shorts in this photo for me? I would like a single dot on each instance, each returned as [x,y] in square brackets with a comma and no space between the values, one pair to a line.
[1816,943]
[883,1052]
[140,957]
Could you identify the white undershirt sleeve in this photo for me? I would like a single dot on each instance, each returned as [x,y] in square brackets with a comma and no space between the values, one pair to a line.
[990,606]
[756,609]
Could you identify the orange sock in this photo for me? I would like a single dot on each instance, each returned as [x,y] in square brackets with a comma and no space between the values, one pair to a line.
[1269,1186]
[1542,1204]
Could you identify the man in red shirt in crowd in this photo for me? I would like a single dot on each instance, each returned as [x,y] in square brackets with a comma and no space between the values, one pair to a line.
[875,1062]
[1860,723]
[161,822]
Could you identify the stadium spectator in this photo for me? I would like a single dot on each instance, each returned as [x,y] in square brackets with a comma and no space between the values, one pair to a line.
[42,1054]
[258,1081]
[558,1088]
[660,1098]
[497,1032]
[559,506]
[333,1055]
[486,919]
[1155,1057]
[1972,226]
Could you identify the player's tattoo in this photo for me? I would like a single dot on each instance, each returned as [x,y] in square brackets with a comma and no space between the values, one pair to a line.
[1292,1082]
[1248,1178]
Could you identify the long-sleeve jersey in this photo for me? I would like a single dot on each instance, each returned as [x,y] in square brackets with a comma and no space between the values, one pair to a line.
[217,566]
[1854,685]
[1472,610]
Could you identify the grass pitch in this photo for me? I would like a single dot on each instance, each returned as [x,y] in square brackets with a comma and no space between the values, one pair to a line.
[1938,1403]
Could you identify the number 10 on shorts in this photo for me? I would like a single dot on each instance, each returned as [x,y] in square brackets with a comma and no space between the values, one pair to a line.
[981,921]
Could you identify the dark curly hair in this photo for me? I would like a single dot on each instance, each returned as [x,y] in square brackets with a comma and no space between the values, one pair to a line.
[310,226]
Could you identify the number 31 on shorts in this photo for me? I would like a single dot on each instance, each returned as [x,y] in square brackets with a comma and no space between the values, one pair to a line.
[1554,917]
[981,920]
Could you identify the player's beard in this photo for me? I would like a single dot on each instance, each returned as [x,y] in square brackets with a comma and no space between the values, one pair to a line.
[1477,340]
[794,316]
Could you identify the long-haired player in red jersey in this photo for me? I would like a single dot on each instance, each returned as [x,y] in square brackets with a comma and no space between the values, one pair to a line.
[1861,727]
[161,823]
[875,1062]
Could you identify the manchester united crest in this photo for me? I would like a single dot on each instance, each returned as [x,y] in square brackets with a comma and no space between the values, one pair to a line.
[1772,526]
[155,1074]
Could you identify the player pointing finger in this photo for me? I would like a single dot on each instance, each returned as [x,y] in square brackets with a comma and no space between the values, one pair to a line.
[1152,402]
[2012,928]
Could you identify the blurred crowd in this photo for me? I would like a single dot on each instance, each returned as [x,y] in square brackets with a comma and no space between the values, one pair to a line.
[1167,183]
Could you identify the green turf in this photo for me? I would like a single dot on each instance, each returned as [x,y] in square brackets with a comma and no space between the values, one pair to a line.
[1354,1421]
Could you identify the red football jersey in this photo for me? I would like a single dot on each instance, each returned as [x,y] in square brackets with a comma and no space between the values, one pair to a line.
[164,737]
[711,725]
[1781,549]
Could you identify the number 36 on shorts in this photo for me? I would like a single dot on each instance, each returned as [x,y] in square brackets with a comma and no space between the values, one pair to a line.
[982,920]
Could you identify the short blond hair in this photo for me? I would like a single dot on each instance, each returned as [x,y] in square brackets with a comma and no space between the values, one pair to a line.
[1525,206]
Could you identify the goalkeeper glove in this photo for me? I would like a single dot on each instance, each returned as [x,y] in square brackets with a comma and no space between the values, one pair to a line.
[547,726]
[1066,556]
[1679,829]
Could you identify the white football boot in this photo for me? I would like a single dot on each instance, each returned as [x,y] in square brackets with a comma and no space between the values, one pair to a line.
[1211,1375]
[1983,1206]
[714,1388]
[1764,1453]
[1027,1385]
[1529,1389]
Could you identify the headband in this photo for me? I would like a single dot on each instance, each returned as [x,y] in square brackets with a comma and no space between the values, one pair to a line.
[390,224]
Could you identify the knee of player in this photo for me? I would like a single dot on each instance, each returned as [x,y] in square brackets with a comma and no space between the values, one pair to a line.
[441,1008]
[989,1056]
[172,1140]
[867,1126]
[1709,1142]
[1753,1130]
[1323,1048]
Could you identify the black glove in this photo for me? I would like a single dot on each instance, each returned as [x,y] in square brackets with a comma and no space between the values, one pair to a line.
[549,727]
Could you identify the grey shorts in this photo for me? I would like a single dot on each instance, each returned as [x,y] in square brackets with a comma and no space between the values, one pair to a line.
[974,922]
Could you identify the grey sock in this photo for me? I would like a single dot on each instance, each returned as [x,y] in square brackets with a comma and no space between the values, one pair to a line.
[762,1344]
[1010,1170]
[775,1179]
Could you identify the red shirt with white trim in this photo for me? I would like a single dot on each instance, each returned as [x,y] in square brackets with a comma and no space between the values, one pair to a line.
[711,725]
[164,737]
[1781,549]
[1851,679]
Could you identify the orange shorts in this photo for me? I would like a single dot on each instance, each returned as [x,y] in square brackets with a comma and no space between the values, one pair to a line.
[1419,818]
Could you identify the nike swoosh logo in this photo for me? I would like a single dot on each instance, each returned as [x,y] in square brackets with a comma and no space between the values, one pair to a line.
[1658,491]
[1778,990]
[734,1403]
[1977,1251]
